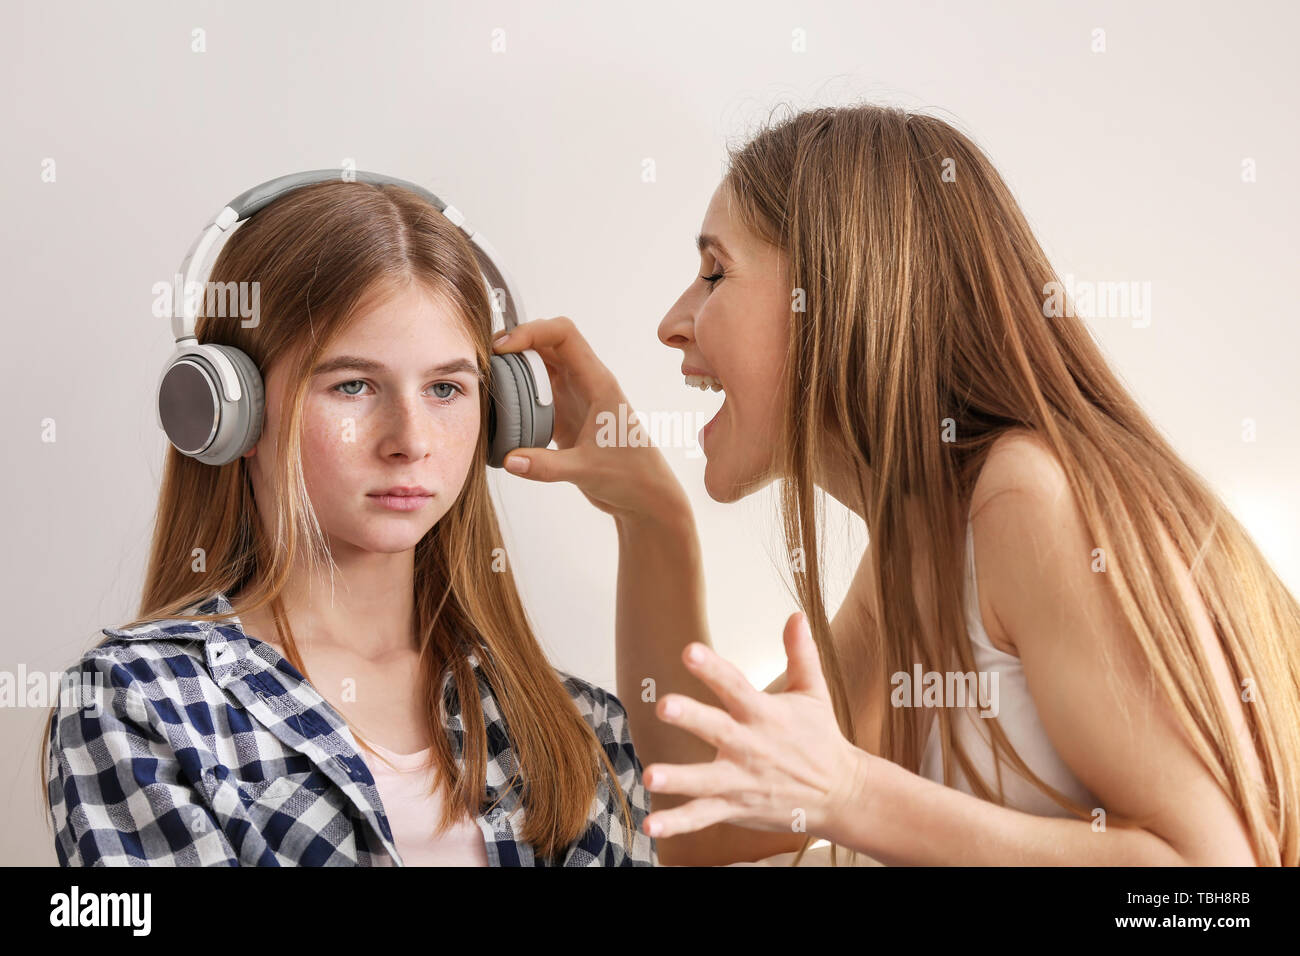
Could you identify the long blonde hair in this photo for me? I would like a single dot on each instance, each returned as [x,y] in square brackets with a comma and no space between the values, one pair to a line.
[924,301]
[319,254]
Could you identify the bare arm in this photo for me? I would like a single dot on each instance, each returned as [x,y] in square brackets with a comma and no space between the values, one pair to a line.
[1091,689]
[660,602]
[661,609]
[901,818]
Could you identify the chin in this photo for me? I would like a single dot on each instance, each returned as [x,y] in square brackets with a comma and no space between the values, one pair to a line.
[393,541]
[716,496]
[726,489]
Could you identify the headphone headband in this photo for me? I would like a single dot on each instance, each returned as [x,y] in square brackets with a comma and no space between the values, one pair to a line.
[509,308]
[211,397]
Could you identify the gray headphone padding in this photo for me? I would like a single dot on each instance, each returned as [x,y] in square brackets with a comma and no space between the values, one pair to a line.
[241,422]
[520,421]
[508,432]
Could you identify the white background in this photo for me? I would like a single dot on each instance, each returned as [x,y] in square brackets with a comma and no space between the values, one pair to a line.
[1127,163]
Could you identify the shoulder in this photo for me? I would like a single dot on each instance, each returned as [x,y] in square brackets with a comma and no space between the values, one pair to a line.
[600,707]
[1090,679]
[134,684]
[149,657]
[608,718]
[170,646]
[146,673]
[1023,465]
[1030,540]
[607,841]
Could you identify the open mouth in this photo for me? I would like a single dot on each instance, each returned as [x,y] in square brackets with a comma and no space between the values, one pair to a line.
[705,382]
[708,383]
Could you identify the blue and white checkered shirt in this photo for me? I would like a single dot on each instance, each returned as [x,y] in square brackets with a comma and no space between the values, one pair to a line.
[188,743]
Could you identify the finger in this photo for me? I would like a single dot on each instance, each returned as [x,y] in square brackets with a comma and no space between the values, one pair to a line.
[723,678]
[711,724]
[561,347]
[689,817]
[804,668]
[546,464]
[713,779]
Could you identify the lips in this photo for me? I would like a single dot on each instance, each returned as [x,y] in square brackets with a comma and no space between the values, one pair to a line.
[692,370]
[403,491]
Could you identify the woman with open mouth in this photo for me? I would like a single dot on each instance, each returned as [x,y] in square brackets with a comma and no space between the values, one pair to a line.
[875,309]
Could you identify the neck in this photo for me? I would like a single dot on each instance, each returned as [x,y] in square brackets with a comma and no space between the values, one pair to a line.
[369,609]
[838,476]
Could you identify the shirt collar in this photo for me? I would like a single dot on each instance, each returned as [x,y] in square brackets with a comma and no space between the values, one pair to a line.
[228,650]
[240,666]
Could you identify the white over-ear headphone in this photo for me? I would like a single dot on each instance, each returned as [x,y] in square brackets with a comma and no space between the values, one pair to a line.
[210,397]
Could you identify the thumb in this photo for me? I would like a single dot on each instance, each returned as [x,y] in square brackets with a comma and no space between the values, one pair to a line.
[804,670]
[543,464]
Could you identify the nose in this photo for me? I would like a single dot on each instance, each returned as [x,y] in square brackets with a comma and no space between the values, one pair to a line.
[677,329]
[407,430]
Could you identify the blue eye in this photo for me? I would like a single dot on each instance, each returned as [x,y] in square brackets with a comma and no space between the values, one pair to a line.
[343,388]
[453,387]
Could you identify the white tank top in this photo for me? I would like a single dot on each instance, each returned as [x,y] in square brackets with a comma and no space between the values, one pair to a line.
[1019,721]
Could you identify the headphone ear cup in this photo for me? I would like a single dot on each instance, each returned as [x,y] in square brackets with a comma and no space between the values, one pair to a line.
[199,420]
[542,419]
[509,389]
[519,418]
[252,406]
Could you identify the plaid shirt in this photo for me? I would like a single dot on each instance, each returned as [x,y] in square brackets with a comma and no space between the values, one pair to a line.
[205,747]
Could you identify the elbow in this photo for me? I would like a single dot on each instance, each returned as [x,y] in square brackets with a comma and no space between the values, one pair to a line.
[684,850]
[1164,851]
[724,844]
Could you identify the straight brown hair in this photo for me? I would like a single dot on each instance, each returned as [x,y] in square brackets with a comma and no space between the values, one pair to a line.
[320,254]
[924,303]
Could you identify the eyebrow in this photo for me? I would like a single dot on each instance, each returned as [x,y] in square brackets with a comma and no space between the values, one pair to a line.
[370,365]
[709,241]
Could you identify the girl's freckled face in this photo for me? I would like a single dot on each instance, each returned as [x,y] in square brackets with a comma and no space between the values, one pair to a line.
[392,419]
[733,320]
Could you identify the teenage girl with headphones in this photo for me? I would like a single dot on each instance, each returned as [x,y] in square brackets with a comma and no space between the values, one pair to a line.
[327,577]
[872,301]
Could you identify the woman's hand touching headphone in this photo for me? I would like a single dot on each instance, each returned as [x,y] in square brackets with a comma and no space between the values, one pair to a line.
[623,480]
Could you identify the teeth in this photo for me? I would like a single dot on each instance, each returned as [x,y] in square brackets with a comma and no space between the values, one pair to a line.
[704,382]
